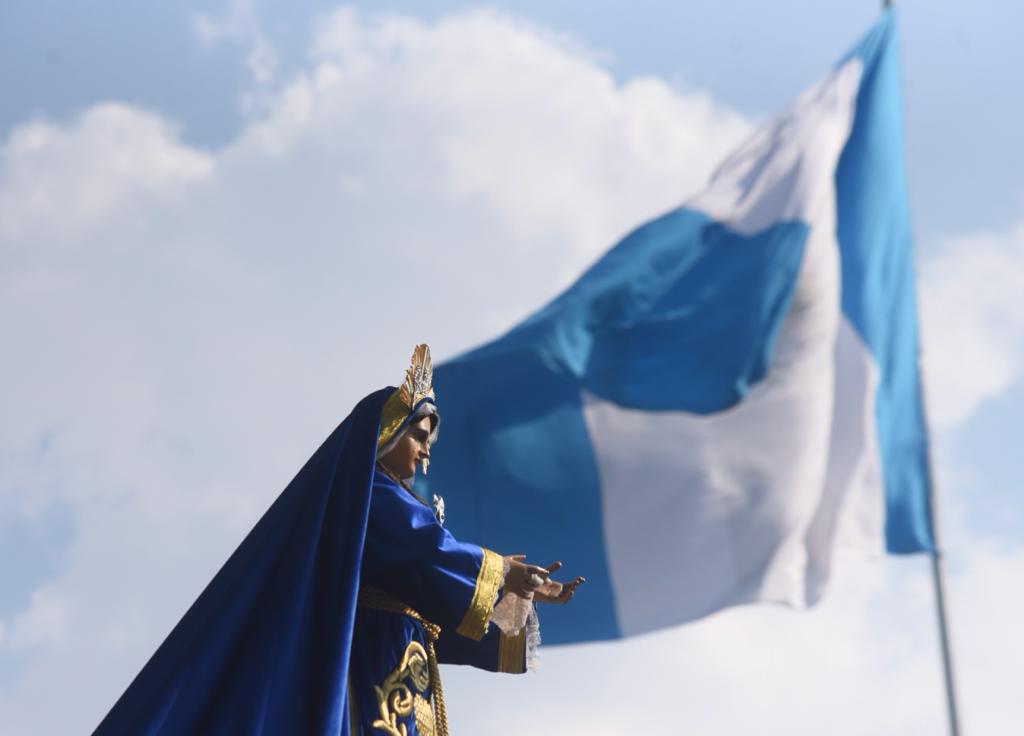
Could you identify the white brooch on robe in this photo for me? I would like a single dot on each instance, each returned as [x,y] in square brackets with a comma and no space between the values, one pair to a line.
[439,509]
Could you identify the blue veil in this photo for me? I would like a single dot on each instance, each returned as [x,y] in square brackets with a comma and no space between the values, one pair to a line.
[265,647]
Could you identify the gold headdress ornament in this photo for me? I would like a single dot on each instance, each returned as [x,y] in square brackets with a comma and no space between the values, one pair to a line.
[418,385]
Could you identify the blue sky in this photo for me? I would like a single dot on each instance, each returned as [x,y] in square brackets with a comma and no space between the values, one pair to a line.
[961,64]
[175,182]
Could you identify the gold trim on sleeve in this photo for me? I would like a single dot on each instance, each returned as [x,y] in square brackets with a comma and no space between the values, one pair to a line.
[512,652]
[353,712]
[488,581]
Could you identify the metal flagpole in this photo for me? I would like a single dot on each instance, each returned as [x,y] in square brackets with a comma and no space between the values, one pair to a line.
[938,577]
[939,580]
[939,574]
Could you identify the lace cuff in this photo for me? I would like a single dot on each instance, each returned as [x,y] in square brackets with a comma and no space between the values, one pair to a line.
[511,613]
[517,619]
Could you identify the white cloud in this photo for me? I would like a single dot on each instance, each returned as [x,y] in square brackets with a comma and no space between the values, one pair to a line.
[58,179]
[973,327]
[44,622]
[187,325]
[240,25]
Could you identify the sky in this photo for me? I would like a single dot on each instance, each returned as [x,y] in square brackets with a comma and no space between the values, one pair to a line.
[222,223]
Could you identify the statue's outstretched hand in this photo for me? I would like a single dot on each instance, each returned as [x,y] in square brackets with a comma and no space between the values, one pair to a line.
[524,579]
[551,591]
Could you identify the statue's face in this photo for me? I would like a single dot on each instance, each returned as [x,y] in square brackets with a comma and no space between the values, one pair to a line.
[412,447]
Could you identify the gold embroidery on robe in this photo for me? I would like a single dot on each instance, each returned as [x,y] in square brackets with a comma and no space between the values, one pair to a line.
[396,699]
[423,714]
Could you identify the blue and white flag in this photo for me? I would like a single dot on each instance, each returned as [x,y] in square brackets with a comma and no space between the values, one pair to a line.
[726,397]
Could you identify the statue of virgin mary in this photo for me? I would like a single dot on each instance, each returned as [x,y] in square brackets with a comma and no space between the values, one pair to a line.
[333,614]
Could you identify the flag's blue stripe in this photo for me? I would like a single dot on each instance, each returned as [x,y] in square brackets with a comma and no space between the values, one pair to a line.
[517,471]
[682,314]
[878,285]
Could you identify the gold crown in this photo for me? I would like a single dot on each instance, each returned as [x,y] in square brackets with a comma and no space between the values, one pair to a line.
[418,385]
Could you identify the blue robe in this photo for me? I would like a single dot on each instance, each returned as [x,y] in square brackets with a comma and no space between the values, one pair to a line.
[266,647]
[411,560]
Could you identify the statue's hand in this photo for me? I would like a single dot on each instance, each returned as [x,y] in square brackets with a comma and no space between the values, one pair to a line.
[551,591]
[524,579]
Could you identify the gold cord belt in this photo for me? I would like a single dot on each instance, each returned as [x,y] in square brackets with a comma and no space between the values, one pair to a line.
[381,601]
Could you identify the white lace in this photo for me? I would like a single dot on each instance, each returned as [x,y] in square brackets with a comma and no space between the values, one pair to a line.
[511,613]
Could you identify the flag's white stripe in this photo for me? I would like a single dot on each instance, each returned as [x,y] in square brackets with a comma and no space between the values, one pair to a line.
[755,502]
[851,514]
[748,516]
[781,173]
